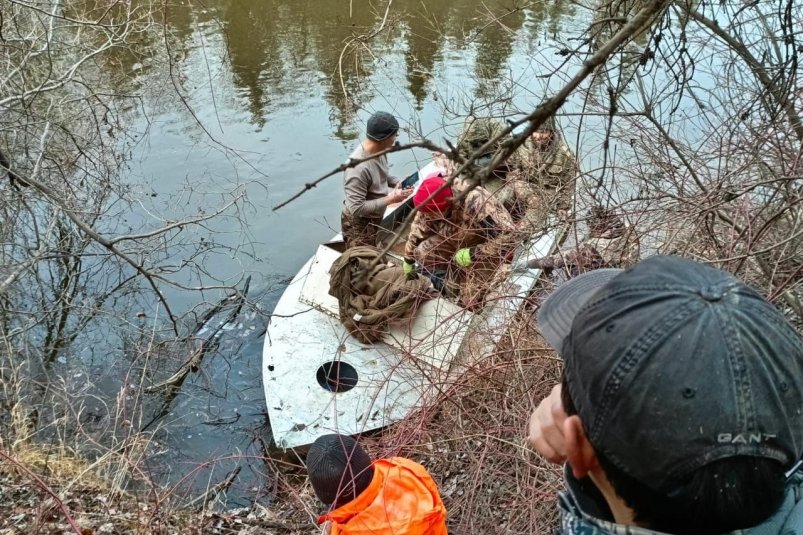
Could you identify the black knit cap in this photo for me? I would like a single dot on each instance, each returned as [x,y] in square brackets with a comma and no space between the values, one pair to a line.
[673,364]
[381,126]
[339,469]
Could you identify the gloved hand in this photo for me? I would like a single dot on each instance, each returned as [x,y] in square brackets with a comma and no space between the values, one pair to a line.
[409,268]
[464,257]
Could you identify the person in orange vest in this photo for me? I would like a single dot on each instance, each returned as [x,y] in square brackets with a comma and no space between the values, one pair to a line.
[387,496]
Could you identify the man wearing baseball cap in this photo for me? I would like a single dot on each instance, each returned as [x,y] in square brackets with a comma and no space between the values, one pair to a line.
[366,184]
[681,405]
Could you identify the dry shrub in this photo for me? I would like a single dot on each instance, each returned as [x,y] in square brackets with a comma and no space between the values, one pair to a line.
[471,439]
[48,491]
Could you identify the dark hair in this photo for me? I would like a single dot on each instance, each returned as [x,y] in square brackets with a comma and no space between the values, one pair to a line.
[339,469]
[725,495]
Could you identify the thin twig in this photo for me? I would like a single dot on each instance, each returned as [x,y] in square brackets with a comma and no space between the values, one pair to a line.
[45,487]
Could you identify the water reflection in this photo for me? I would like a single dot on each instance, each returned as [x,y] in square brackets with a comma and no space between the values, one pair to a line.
[279,50]
[494,45]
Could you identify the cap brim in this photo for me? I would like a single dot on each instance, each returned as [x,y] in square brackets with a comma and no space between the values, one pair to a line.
[381,137]
[557,312]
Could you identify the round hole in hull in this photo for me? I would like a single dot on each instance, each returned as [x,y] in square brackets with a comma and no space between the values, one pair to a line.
[337,376]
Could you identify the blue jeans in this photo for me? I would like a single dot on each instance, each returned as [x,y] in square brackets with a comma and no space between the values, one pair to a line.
[437,276]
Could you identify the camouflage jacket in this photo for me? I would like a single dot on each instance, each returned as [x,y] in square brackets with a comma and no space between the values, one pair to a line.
[477,132]
[435,237]
[554,167]
[621,251]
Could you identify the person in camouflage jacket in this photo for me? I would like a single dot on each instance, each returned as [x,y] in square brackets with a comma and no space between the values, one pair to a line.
[477,132]
[459,244]
[542,177]
[538,179]
[442,233]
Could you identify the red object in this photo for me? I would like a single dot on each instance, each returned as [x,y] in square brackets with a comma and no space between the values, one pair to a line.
[402,499]
[431,184]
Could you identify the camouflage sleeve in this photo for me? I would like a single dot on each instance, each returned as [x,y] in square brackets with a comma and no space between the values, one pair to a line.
[562,174]
[481,209]
[520,157]
[548,262]
[486,217]
[622,251]
[557,177]
[425,236]
[585,257]
[434,249]
[418,233]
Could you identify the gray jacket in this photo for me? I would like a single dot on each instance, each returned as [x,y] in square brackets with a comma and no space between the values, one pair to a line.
[366,184]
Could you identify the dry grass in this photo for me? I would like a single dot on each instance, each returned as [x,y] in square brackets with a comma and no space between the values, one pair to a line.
[49,491]
[471,439]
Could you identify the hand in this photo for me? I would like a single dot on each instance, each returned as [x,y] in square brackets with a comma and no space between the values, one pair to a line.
[526,264]
[520,266]
[545,428]
[464,257]
[398,195]
[489,227]
[409,268]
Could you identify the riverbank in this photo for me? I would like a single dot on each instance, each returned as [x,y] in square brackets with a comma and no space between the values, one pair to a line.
[47,494]
[470,439]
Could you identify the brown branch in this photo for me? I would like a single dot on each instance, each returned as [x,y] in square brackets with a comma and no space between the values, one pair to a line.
[425,144]
[191,364]
[213,492]
[44,486]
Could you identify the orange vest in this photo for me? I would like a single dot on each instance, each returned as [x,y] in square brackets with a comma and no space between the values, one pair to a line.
[402,499]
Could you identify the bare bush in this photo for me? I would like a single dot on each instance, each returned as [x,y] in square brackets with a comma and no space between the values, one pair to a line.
[85,270]
[686,118]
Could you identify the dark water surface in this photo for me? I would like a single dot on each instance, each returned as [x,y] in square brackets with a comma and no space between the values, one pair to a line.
[264,81]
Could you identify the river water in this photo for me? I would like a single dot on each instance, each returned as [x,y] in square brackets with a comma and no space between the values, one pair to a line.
[275,94]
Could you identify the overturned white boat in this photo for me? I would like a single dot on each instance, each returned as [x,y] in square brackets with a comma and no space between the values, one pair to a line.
[319,379]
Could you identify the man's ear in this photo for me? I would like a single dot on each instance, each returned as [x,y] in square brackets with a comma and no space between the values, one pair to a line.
[579,452]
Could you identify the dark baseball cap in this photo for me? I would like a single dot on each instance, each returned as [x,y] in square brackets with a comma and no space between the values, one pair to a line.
[381,126]
[673,364]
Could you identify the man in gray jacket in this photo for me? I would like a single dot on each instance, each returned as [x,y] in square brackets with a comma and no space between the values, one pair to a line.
[681,406]
[367,183]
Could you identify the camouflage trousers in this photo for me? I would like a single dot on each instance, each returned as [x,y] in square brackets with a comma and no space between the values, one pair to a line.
[359,231]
